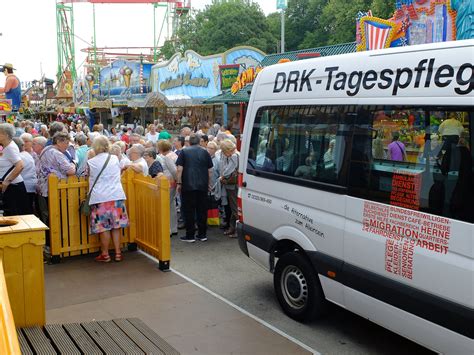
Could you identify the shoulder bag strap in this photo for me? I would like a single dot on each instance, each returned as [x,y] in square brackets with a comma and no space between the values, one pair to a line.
[7,173]
[399,147]
[100,173]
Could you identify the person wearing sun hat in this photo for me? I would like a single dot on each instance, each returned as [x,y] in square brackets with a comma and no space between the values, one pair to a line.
[12,89]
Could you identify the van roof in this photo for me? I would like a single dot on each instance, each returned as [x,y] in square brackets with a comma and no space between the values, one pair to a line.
[441,70]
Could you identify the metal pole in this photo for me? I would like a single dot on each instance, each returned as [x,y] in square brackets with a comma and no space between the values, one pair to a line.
[154,33]
[283,31]
[95,43]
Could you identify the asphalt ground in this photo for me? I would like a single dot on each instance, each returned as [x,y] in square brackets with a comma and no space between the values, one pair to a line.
[219,265]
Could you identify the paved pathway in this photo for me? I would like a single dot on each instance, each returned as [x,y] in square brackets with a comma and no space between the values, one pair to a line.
[190,319]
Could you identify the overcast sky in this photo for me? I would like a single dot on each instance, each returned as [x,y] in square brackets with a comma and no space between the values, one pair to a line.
[28,30]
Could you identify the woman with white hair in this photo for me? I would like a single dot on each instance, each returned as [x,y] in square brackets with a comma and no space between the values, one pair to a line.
[124,161]
[52,161]
[81,153]
[137,162]
[27,139]
[28,173]
[228,166]
[168,162]
[11,165]
[107,199]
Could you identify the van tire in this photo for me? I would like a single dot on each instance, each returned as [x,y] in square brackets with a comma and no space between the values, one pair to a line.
[297,288]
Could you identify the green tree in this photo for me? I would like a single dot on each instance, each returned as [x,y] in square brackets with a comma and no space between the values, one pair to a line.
[168,49]
[223,25]
[274,27]
[383,8]
[339,19]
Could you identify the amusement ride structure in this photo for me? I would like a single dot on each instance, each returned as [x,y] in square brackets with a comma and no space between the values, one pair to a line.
[98,57]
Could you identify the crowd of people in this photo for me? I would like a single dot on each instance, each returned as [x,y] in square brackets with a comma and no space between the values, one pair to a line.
[200,166]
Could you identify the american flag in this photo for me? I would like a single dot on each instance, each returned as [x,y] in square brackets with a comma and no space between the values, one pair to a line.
[376,35]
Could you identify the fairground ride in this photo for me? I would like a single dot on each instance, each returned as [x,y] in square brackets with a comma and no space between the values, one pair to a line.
[97,57]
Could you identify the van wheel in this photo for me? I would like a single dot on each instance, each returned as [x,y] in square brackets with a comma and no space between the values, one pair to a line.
[297,288]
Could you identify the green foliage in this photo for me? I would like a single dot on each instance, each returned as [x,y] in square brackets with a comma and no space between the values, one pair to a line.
[223,25]
[309,23]
[339,16]
[168,49]
[383,8]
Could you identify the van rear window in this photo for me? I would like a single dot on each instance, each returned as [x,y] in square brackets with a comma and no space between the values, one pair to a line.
[419,158]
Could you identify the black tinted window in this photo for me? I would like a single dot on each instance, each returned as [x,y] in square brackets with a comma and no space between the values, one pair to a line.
[302,143]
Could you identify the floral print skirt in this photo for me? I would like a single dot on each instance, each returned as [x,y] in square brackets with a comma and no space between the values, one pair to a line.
[108,215]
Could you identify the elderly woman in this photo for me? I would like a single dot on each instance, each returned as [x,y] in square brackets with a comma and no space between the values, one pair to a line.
[28,173]
[154,166]
[137,162]
[228,166]
[81,153]
[52,161]
[107,199]
[38,145]
[168,162]
[123,158]
[27,139]
[212,149]
[11,166]
[116,150]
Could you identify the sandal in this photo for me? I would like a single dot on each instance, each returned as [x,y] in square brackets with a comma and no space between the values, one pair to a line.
[229,232]
[103,258]
[118,257]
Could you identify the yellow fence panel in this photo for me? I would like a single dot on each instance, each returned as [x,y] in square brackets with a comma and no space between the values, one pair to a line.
[152,215]
[69,228]
[148,211]
[8,338]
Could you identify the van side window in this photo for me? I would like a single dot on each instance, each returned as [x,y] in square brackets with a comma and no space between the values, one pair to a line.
[301,143]
[416,158]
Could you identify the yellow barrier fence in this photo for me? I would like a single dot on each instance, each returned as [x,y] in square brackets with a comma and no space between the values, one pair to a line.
[148,211]
[148,207]
[8,338]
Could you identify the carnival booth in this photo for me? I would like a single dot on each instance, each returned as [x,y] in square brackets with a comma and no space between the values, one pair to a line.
[117,95]
[188,80]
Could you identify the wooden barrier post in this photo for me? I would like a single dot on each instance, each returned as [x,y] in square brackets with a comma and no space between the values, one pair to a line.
[8,339]
[131,196]
[54,218]
[164,243]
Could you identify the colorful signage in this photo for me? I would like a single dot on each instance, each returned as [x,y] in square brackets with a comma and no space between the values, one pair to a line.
[65,89]
[246,77]
[416,22]
[5,106]
[228,74]
[199,77]
[282,4]
[189,74]
[125,78]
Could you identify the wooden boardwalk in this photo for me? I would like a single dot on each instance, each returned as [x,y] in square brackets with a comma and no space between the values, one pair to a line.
[118,336]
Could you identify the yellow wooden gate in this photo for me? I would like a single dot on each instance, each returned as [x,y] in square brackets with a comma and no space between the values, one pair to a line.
[148,211]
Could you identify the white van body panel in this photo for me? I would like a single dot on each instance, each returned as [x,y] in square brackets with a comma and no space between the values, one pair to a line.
[336,221]
[444,275]
[260,256]
[417,329]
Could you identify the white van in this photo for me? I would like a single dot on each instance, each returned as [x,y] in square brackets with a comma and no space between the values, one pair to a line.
[357,187]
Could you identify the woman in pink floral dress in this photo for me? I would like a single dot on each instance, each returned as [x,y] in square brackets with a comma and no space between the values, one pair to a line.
[107,200]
